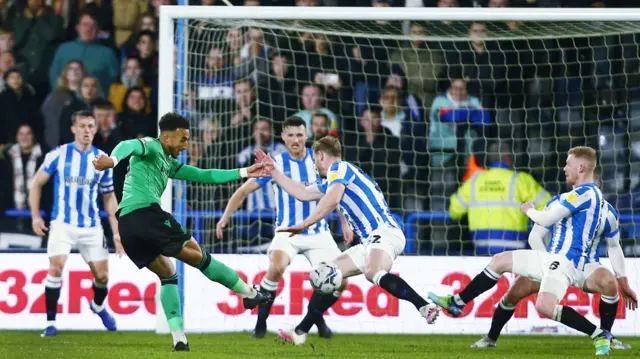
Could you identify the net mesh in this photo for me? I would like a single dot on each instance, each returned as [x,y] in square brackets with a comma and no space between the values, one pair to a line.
[545,86]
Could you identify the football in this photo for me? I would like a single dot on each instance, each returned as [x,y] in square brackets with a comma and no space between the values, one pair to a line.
[326,277]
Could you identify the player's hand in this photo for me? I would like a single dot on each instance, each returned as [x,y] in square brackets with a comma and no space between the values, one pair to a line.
[37,224]
[347,234]
[259,170]
[293,230]
[630,297]
[118,244]
[221,225]
[526,207]
[262,157]
[102,162]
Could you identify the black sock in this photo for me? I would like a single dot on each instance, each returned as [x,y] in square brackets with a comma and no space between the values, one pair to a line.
[318,304]
[500,318]
[608,309]
[99,293]
[401,290]
[480,284]
[263,310]
[52,294]
[330,301]
[573,319]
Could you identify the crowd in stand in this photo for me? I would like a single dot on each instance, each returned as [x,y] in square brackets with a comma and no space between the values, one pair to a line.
[410,113]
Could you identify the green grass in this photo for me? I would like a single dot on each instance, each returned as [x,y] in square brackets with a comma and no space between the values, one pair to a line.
[133,345]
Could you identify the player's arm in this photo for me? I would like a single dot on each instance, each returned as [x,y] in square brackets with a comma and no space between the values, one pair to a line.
[111,206]
[536,237]
[235,202]
[35,193]
[297,189]
[123,150]
[347,232]
[211,176]
[327,204]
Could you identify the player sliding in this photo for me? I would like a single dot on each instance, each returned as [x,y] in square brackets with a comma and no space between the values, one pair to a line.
[150,235]
[359,198]
[581,216]
[316,243]
[598,279]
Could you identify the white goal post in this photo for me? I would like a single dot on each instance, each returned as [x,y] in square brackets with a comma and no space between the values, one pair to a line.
[255,263]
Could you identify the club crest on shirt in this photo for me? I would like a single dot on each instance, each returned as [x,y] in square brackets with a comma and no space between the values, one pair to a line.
[333,176]
[572,197]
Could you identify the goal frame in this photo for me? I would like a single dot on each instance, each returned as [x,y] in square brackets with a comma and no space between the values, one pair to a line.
[168,15]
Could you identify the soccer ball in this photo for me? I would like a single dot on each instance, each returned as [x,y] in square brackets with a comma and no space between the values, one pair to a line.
[326,278]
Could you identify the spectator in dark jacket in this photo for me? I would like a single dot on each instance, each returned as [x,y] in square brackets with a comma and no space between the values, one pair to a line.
[37,31]
[19,106]
[134,121]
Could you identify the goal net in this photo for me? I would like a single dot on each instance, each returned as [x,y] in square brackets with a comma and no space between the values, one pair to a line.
[418,105]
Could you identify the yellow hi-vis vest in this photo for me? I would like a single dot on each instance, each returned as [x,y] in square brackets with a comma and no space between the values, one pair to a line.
[491,199]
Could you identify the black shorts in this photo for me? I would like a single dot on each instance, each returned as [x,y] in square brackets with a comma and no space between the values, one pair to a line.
[149,232]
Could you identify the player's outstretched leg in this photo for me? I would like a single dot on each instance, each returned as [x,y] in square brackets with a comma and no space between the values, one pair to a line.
[100,271]
[218,272]
[53,282]
[170,299]
[505,309]
[500,263]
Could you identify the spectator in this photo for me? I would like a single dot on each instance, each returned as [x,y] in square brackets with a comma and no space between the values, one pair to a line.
[328,67]
[135,121]
[102,11]
[392,114]
[126,14]
[7,61]
[99,60]
[312,102]
[154,6]
[131,77]
[282,81]
[108,135]
[145,22]
[146,52]
[234,39]
[37,32]
[7,42]
[320,128]
[8,11]
[212,86]
[491,200]
[19,106]
[89,90]
[423,62]
[378,154]
[254,56]
[67,85]
[21,162]
[447,111]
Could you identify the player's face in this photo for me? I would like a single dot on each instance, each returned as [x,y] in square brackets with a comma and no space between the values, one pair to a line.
[176,141]
[572,169]
[294,138]
[320,159]
[84,129]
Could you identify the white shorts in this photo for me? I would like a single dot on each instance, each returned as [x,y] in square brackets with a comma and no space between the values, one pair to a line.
[90,242]
[317,248]
[554,271]
[389,239]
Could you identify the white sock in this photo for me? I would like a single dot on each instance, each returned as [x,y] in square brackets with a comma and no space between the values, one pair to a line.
[51,323]
[269,285]
[95,307]
[457,300]
[178,336]
[596,333]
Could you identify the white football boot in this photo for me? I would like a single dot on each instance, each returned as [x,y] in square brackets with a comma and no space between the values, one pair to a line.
[292,337]
[484,343]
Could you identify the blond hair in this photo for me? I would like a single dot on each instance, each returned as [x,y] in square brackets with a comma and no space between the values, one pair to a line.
[586,153]
[62,81]
[329,145]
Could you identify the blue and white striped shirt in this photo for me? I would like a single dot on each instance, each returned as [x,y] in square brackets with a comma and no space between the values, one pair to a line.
[289,210]
[264,198]
[76,185]
[363,203]
[577,236]
[610,229]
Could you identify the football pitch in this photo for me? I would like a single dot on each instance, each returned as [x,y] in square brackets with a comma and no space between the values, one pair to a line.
[133,345]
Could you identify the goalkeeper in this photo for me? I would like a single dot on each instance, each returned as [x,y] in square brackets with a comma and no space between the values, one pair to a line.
[149,235]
